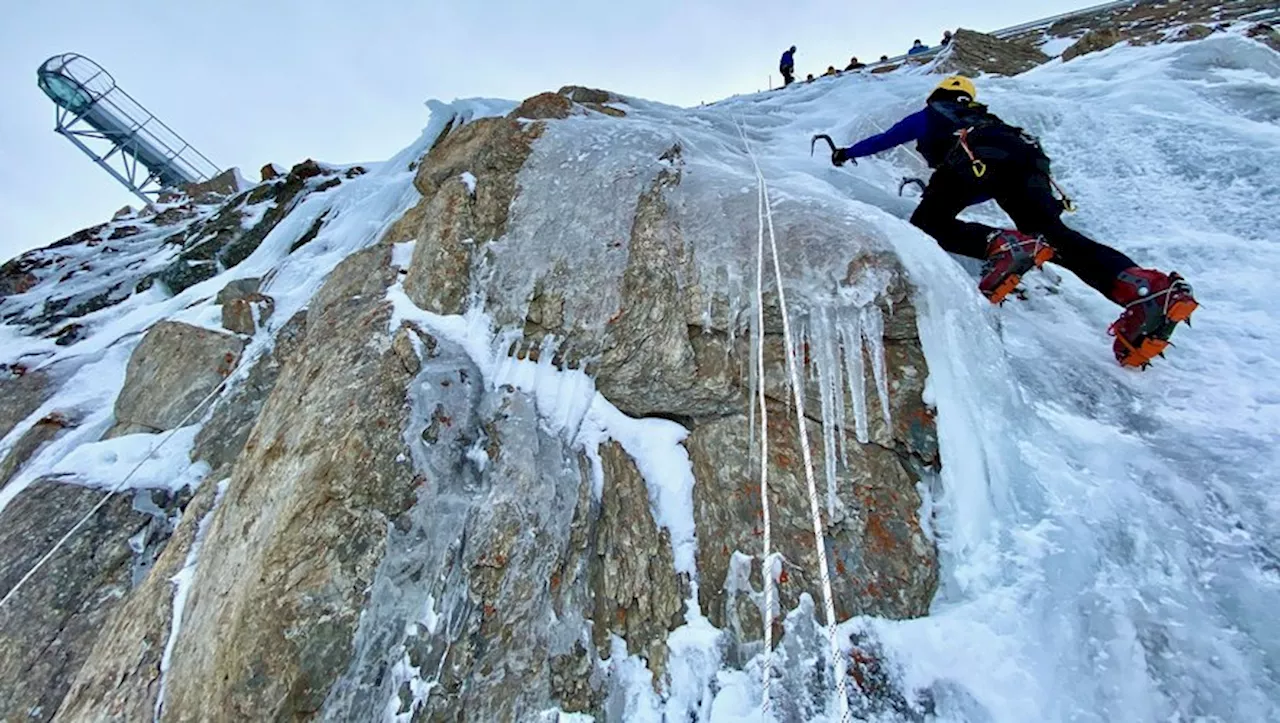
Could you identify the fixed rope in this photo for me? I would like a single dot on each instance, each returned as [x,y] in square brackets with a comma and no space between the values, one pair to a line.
[110,493]
[815,509]
[766,566]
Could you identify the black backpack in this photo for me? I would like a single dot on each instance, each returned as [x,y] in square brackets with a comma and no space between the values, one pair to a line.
[953,125]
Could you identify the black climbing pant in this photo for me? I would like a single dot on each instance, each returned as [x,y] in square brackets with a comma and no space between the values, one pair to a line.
[1024,193]
[788,76]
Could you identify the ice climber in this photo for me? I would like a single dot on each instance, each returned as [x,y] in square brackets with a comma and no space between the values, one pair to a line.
[918,47]
[787,66]
[977,157]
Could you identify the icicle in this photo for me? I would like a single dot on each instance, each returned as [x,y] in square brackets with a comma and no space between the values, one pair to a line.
[873,334]
[824,360]
[855,371]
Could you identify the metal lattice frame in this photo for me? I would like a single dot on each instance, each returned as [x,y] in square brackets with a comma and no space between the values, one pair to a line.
[118,133]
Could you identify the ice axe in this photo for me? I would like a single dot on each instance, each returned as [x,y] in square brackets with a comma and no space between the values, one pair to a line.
[834,161]
[909,181]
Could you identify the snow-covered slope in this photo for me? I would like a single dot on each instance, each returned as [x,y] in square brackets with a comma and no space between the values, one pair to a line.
[1110,539]
[1109,545]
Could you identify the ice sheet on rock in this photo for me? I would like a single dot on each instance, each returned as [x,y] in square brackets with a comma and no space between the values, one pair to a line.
[578,167]
[569,405]
[182,590]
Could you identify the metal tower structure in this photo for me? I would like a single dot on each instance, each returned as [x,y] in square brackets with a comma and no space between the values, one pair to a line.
[113,129]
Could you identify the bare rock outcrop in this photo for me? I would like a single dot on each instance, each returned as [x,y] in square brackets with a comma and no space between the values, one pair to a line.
[49,627]
[174,368]
[974,53]
[1092,42]
[292,551]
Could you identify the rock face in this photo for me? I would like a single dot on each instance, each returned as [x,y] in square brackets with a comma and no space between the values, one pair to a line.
[174,368]
[228,237]
[21,392]
[974,53]
[272,615]
[1145,23]
[243,307]
[400,520]
[120,680]
[49,627]
[43,431]
[1092,42]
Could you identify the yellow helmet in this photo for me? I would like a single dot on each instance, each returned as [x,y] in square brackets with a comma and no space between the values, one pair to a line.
[961,84]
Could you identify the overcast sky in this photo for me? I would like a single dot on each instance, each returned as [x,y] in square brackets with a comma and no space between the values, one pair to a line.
[253,81]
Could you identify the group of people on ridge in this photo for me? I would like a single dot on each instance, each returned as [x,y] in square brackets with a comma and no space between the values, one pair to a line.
[787,65]
[976,157]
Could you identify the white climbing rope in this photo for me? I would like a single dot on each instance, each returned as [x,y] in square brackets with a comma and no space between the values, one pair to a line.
[819,536]
[110,493]
[766,566]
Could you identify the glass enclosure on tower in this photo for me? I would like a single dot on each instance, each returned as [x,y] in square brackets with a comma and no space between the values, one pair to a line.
[116,131]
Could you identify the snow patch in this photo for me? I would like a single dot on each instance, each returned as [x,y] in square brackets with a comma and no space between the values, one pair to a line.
[470,181]
[107,464]
[402,254]
[1055,47]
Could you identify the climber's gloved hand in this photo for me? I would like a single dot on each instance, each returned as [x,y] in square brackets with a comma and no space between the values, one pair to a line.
[840,155]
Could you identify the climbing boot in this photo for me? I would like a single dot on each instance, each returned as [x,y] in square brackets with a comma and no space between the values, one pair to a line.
[1010,254]
[1154,304]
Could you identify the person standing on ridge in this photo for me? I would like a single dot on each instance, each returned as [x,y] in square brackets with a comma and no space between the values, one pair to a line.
[946,37]
[787,66]
[854,64]
[918,47]
[977,157]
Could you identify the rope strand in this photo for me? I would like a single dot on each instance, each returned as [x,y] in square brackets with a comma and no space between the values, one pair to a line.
[110,493]
[819,536]
[766,566]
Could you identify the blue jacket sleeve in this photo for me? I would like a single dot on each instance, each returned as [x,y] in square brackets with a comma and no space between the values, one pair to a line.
[906,130]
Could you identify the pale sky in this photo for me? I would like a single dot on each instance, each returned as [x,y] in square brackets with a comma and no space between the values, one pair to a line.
[249,82]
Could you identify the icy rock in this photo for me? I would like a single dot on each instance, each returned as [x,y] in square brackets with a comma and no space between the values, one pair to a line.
[119,680]
[597,100]
[171,371]
[290,555]
[449,219]
[221,241]
[48,629]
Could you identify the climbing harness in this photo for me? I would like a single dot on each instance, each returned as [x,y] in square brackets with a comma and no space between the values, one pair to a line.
[979,168]
[1067,204]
